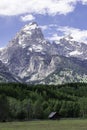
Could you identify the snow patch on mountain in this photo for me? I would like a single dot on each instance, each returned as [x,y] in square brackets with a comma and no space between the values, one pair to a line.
[76,52]
[37,48]
[30,49]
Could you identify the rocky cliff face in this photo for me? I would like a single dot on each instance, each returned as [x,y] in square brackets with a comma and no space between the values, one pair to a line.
[6,75]
[33,59]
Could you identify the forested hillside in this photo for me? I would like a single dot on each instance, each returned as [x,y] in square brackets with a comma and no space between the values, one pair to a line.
[26,102]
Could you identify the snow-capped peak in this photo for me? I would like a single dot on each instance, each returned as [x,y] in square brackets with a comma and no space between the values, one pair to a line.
[29,34]
[75,53]
[30,26]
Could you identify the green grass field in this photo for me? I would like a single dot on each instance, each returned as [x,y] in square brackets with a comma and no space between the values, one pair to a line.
[46,125]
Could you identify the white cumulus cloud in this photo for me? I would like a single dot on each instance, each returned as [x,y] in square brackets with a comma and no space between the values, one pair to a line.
[50,7]
[84,1]
[77,34]
[29,17]
[54,37]
[44,27]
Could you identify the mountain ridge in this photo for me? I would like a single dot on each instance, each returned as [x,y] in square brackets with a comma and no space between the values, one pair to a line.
[33,59]
[68,47]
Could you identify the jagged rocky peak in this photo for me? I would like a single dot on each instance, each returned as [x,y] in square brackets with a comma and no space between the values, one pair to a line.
[69,47]
[27,35]
[32,30]
[30,26]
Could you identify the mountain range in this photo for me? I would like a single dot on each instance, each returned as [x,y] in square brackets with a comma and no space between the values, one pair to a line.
[30,58]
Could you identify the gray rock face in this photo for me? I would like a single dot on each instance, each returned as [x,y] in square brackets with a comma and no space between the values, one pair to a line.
[33,59]
[5,74]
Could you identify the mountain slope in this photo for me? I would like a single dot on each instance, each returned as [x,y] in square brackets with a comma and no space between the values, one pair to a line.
[69,70]
[5,74]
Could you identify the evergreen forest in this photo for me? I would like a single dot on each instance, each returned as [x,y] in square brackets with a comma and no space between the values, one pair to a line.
[31,102]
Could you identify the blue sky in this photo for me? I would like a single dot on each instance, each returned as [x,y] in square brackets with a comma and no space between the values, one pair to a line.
[57,18]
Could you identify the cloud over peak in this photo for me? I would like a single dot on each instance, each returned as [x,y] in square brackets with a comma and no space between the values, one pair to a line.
[50,7]
[28,17]
[78,34]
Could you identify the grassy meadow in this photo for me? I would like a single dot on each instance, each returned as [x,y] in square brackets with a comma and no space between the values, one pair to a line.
[46,125]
